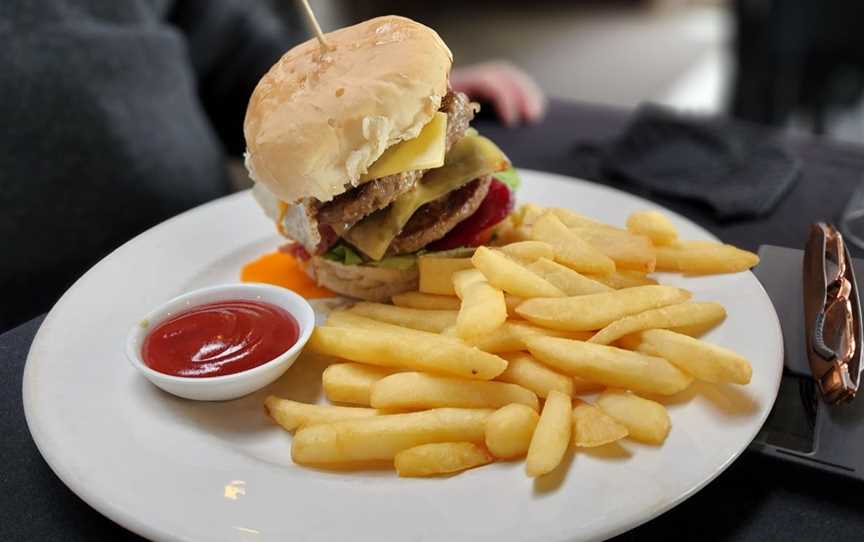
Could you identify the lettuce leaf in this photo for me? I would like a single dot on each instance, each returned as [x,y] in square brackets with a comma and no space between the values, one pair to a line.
[509,177]
[343,254]
[346,255]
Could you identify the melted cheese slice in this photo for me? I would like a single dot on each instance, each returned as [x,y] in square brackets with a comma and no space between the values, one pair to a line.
[471,157]
[426,151]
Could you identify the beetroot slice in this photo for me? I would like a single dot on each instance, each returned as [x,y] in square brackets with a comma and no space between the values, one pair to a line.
[473,231]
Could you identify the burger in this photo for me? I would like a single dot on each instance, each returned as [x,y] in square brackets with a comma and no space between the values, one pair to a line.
[363,157]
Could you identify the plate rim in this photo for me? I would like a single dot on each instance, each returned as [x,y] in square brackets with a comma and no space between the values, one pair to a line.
[131,522]
[54,460]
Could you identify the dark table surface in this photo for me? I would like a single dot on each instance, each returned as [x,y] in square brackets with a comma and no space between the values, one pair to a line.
[757,498]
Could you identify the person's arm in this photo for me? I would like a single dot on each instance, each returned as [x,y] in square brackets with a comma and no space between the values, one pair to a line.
[232,43]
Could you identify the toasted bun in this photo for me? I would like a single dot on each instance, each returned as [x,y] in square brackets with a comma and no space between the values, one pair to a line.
[362,282]
[317,120]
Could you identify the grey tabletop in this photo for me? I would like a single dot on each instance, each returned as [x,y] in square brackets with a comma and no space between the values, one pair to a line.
[756,498]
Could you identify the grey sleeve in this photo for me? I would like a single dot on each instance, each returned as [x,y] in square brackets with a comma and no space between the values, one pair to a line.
[231,44]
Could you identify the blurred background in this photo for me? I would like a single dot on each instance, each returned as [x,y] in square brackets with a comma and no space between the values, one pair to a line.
[795,64]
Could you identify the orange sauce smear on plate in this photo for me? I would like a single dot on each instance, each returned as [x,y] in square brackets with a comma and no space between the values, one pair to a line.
[283,270]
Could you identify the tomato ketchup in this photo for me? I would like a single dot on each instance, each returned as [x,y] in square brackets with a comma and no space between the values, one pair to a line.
[220,338]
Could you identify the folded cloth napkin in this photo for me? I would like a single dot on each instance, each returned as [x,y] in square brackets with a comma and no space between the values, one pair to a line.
[739,170]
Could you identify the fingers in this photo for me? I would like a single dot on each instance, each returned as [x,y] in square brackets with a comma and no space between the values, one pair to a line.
[532,101]
[512,93]
[484,83]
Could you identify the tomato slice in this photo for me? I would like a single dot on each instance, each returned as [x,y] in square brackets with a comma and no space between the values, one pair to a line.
[477,228]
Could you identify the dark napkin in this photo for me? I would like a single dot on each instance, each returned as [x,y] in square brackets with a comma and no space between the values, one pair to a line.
[739,170]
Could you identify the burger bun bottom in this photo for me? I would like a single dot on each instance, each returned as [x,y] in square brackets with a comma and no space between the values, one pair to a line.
[361,281]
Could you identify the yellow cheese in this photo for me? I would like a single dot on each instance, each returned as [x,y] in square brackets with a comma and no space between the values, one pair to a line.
[426,151]
[471,157]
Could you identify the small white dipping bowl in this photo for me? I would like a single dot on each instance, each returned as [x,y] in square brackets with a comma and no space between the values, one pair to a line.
[221,388]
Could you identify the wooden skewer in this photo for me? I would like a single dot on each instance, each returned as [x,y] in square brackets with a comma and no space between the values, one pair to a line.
[314,22]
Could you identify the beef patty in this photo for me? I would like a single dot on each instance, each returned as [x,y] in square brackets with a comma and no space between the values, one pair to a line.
[433,220]
[347,209]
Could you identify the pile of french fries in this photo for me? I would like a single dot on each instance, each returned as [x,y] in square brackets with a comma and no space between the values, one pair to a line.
[494,355]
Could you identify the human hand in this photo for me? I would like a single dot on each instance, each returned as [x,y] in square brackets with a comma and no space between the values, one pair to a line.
[513,94]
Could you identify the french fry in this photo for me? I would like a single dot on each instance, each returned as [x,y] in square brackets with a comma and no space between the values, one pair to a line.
[698,243]
[570,249]
[528,250]
[523,329]
[610,366]
[628,251]
[695,330]
[382,437]
[504,232]
[580,386]
[292,415]
[524,370]
[352,382]
[419,391]
[593,427]
[596,311]
[705,361]
[483,308]
[573,219]
[551,436]
[510,276]
[419,300]
[703,258]
[347,319]
[511,230]
[623,279]
[570,282]
[404,348]
[440,458]
[436,273]
[647,421]
[528,214]
[522,233]
[511,302]
[654,225]
[510,336]
[672,316]
[509,430]
[465,278]
[424,320]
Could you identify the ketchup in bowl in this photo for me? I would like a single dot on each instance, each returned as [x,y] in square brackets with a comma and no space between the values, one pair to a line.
[220,338]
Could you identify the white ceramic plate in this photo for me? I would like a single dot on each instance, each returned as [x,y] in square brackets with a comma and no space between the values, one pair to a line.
[172,469]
